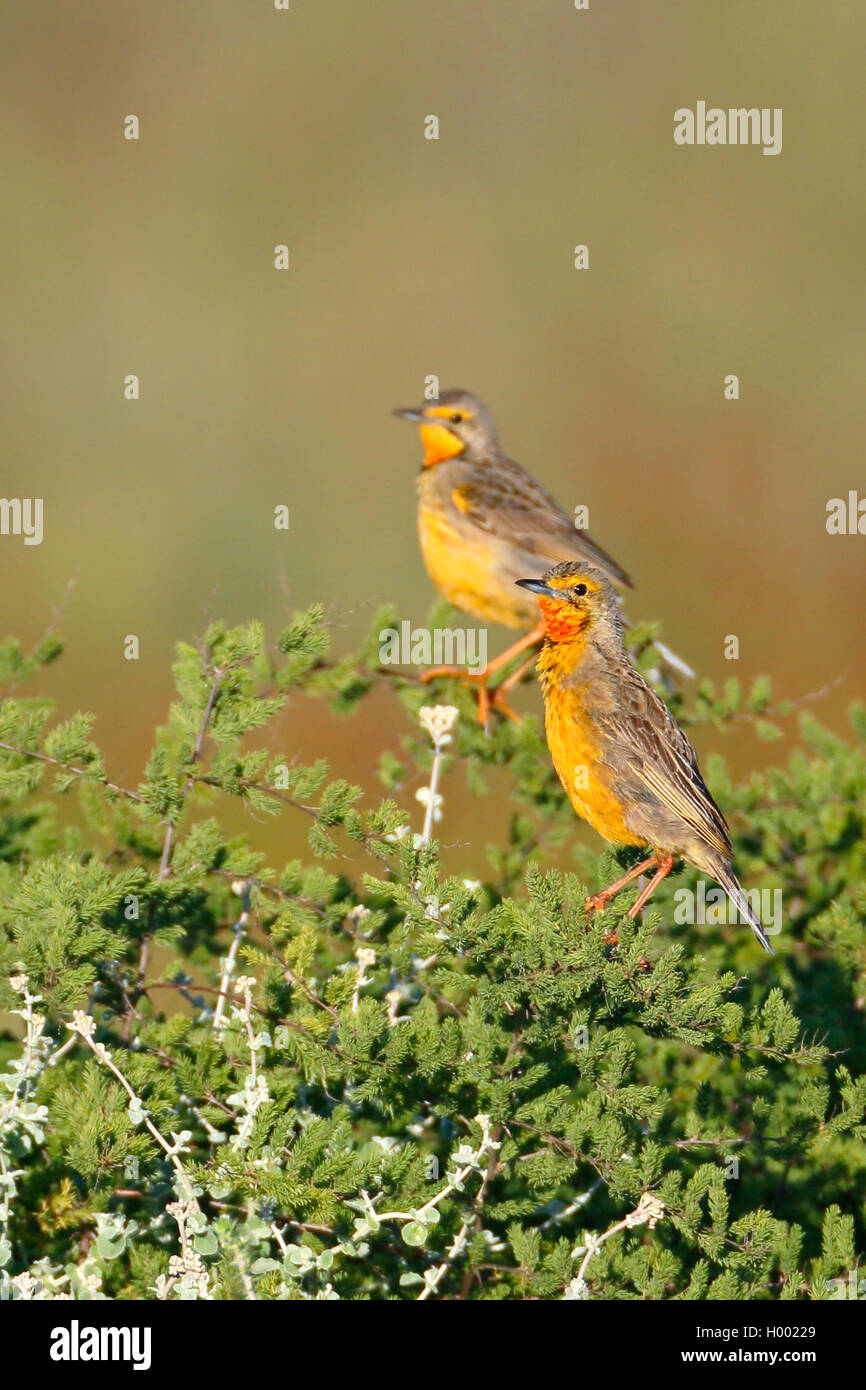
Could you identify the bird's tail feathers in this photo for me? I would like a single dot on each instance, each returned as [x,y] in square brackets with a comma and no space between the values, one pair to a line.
[672,661]
[726,877]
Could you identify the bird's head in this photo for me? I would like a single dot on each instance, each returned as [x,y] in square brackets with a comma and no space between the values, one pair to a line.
[455,424]
[574,598]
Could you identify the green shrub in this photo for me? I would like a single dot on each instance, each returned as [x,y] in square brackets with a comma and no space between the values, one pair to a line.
[351,1077]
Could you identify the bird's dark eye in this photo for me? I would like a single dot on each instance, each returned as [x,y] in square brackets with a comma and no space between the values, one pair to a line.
[456,418]
[579,590]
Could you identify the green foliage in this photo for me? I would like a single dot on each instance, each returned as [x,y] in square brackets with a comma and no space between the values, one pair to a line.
[356,1076]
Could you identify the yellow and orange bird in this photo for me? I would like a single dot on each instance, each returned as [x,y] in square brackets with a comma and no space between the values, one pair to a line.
[483,523]
[624,762]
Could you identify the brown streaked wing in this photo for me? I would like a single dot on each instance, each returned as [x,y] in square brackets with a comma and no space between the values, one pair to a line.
[506,501]
[660,755]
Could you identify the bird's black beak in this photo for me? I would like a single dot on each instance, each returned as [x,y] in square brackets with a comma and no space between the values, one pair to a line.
[538,586]
[409,413]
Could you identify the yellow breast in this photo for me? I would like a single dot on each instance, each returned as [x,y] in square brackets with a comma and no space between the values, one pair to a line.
[577,758]
[462,564]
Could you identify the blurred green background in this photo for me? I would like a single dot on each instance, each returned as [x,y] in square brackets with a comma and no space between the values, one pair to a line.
[411,257]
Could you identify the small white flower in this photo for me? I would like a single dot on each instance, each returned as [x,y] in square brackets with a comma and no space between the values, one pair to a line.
[426,797]
[393,999]
[181,1141]
[82,1023]
[649,1211]
[432,909]
[438,720]
[137,1112]
[386,1142]
[576,1290]
[254,1094]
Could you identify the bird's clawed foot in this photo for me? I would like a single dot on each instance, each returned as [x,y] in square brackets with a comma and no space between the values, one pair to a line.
[494,699]
[597,902]
[490,698]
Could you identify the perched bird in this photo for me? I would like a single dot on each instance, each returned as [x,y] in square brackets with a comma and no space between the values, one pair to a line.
[624,762]
[483,523]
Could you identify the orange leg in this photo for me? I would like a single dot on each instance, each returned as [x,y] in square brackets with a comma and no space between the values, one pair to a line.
[666,863]
[663,864]
[488,699]
[600,900]
[497,695]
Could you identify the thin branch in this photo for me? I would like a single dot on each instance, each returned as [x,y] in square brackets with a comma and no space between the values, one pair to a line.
[368,838]
[649,1210]
[573,1207]
[168,843]
[196,754]
[231,958]
[101,781]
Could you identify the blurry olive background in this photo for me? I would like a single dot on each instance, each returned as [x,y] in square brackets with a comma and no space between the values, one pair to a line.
[412,257]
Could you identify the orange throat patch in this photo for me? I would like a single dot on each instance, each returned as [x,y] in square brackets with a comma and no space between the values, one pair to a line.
[562,622]
[439,444]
